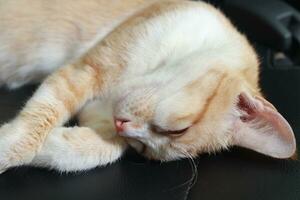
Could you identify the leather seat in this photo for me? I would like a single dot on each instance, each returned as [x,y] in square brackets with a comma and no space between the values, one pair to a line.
[234,174]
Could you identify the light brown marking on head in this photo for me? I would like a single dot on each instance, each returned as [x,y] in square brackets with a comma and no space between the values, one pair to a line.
[206,109]
[184,118]
[208,101]
[136,126]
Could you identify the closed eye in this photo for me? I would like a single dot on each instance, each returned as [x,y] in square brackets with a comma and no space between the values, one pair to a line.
[161,131]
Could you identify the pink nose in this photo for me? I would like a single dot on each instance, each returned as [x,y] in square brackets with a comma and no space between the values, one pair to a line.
[119,123]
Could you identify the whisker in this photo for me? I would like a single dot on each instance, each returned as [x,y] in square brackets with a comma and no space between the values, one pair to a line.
[194,168]
[192,181]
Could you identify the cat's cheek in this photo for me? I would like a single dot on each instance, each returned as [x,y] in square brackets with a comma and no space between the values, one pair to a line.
[132,132]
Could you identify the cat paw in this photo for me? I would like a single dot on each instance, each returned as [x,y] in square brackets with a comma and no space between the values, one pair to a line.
[14,149]
[2,169]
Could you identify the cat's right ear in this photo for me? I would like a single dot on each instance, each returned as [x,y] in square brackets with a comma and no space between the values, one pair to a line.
[262,128]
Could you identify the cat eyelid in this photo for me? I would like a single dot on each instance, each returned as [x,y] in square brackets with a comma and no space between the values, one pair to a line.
[161,131]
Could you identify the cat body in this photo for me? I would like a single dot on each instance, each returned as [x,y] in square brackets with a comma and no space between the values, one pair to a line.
[39,36]
[173,80]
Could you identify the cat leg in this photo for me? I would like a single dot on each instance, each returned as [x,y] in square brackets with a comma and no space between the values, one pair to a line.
[77,149]
[59,97]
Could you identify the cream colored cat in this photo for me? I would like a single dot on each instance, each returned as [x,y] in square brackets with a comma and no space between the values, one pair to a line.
[172,78]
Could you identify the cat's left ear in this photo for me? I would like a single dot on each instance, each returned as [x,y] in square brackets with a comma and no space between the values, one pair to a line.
[262,128]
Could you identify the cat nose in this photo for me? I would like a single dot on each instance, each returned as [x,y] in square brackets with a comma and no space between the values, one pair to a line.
[119,123]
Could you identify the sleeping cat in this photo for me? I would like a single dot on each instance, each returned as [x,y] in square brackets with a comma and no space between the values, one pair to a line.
[170,78]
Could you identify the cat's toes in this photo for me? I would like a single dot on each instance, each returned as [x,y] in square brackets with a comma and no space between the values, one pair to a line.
[14,148]
[4,165]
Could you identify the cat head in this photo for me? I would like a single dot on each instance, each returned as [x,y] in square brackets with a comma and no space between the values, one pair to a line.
[167,120]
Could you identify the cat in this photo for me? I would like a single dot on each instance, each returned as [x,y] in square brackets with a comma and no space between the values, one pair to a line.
[173,79]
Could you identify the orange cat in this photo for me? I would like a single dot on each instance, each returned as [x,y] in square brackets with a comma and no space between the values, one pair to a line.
[172,78]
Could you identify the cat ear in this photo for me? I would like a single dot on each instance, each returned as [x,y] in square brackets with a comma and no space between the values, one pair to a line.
[262,128]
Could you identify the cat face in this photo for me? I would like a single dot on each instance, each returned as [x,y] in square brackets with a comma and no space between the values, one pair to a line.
[171,120]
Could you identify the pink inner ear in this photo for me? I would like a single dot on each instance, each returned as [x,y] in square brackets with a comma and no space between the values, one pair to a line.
[259,107]
[263,129]
[248,106]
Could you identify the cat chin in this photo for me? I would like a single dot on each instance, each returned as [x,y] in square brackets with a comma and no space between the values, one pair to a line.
[137,145]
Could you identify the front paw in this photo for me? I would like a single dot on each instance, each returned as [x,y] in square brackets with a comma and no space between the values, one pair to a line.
[15,147]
